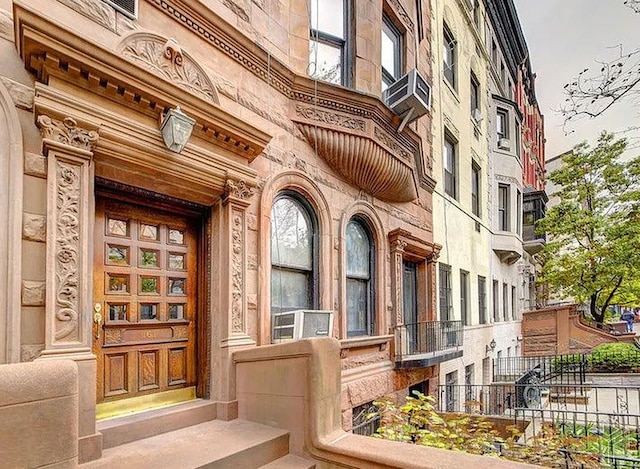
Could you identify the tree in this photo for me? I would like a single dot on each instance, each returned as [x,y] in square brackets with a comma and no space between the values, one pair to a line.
[593,248]
[594,91]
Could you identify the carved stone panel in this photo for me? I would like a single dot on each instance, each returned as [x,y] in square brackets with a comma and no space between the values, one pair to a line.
[165,58]
[237,272]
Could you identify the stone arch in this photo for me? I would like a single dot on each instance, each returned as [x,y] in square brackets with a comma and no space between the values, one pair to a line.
[299,182]
[11,161]
[368,213]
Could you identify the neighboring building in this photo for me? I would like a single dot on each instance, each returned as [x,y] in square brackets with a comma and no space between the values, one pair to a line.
[150,267]
[461,209]
[488,126]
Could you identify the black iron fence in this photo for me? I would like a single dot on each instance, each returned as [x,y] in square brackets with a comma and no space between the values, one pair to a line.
[601,421]
[427,337]
[558,368]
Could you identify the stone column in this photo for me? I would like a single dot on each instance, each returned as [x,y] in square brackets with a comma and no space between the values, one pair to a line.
[69,269]
[233,295]
[397,277]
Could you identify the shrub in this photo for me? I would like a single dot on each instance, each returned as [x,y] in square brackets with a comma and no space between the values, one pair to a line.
[567,362]
[614,357]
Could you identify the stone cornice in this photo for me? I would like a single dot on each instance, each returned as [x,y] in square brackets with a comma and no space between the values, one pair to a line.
[413,246]
[353,107]
[48,50]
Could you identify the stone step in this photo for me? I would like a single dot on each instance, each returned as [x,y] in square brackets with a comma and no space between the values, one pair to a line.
[290,461]
[212,445]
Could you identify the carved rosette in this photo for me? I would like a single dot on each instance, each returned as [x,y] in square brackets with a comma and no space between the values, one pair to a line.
[360,152]
[237,272]
[165,58]
[67,250]
[67,132]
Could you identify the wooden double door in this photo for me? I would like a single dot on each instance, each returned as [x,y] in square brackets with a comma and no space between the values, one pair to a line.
[145,279]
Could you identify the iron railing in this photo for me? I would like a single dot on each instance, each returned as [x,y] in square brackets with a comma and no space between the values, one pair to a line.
[363,420]
[430,337]
[556,368]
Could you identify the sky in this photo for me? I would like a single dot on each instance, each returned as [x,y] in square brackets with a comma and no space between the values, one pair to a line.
[565,37]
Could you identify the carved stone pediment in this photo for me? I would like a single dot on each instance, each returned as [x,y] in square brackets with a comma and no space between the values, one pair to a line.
[361,151]
[165,58]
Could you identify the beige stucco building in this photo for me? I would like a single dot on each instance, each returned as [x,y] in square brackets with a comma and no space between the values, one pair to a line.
[150,267]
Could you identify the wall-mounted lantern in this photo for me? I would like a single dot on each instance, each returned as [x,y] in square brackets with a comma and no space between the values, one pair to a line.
[176,129]
[492,346]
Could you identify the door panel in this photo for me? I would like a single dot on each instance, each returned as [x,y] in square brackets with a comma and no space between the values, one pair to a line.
[145,265]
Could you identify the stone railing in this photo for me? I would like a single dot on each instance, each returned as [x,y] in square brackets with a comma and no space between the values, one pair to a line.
[296,386]
[39,414]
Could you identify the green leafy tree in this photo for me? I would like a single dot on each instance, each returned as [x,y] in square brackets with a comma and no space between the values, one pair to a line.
[593,248]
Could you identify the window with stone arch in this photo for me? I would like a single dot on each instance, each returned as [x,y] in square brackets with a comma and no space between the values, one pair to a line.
[294,254]
[359,258]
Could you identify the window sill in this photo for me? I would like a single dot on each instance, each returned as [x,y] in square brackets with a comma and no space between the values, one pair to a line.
[451,89]
[366,341]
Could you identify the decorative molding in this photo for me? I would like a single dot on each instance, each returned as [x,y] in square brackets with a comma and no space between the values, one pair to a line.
[329,117]
[95,10]
[238,190]
[34,227]
[35,165]
[67,250]
[403,15]
[509,179]
[166,59]
[21,95]
[67,132]
[450,126]
[29,353]
[384,138]
[33,293]
[237,271]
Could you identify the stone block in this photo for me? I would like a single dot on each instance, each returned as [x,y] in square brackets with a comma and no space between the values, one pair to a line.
[34,227]
[21,95]
[6,25]
[33,293]
[35,165]
[39,414]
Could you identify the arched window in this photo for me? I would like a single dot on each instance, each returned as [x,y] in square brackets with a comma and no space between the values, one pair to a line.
[294,257]
[359,258]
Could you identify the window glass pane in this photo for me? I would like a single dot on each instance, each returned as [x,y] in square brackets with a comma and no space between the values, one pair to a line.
[176,237]
[325,62]
[117,254]
[390,51]
[176,261]
[291,234]
[289,290]
[358,251]
[177,286]
[118,312]
[328,16]
[149,285]
[176,311]
[356,307]
[148,311]
[149,232]
[118,227]
[118,283]
[148,258]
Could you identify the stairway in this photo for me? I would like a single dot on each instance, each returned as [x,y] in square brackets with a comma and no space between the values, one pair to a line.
[236,444]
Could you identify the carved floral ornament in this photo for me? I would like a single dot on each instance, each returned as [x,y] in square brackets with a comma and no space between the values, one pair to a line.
[238,190]
[67,132]
[165,58]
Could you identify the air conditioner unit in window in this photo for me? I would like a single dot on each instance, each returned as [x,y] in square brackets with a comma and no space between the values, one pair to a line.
[409,97]
[127,7]
[504,144]
[476,115]
[301,324]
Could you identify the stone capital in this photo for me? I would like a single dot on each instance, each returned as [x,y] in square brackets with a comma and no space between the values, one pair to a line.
[237,190]
[67,133]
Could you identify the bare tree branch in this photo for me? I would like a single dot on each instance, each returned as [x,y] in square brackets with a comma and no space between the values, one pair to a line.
[596,89]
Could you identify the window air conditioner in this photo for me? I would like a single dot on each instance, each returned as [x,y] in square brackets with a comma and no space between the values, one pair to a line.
[504,143]
[300,324]
[409,97]
[477,116]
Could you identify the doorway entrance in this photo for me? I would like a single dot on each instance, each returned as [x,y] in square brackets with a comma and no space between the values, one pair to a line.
[145,306]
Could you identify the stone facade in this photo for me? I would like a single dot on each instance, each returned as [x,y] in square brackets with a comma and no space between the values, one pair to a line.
[82,91]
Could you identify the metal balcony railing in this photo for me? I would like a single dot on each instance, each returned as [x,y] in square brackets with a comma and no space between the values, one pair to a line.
[430,341]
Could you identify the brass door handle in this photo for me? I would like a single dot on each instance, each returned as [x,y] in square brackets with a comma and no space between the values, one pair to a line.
[97,319]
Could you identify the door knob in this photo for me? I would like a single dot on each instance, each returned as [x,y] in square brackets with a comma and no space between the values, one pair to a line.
[97,319]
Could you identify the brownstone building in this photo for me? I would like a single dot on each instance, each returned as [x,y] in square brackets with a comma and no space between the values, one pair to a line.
[299,188]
